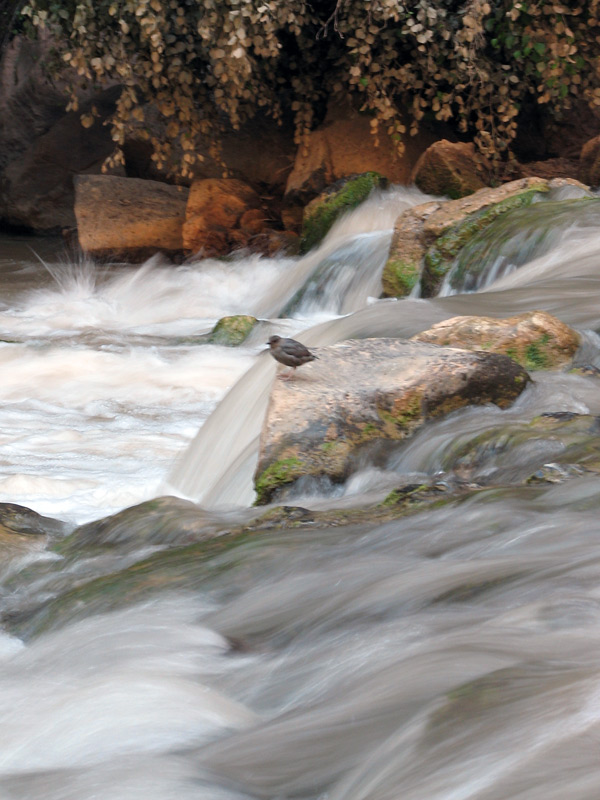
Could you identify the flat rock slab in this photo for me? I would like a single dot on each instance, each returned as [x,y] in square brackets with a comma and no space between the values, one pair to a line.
[129,218]
[365,394]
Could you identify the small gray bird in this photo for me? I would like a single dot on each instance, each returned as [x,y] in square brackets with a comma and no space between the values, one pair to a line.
[289,352]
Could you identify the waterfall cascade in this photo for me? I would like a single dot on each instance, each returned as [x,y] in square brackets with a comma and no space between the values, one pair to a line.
[450,653]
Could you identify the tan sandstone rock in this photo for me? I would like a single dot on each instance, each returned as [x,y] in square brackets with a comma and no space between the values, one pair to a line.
[536,339]
[128,217]
[452,169]
[366,394]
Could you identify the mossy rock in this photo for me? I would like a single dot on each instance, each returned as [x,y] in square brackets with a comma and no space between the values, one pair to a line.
[232,331]
[400,277]
[440,256]
[280,473]
[322,212]
[428,237]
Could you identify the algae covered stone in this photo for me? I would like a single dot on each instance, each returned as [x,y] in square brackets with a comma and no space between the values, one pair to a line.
[427,238]
[535,340]
[232,331]
[345,194]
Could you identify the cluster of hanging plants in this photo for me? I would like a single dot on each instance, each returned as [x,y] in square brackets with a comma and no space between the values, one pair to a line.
[208,64]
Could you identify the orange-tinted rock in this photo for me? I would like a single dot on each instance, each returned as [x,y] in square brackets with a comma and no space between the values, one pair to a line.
[451,169]
[214,214]
[128,217]
[253,221]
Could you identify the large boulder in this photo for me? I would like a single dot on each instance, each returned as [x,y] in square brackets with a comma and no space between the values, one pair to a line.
[453,169]
[428,237]
[368,394]
[129,218]
[535,340]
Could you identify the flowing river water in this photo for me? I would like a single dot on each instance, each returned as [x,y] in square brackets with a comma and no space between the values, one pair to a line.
[448,655]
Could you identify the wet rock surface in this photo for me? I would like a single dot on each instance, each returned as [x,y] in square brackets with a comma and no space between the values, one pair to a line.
[535,340]
[427,238]
[162,521]
[550,449]
[365,394]
[22,521]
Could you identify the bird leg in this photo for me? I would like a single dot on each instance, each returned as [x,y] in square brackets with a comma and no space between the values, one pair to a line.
[287,376]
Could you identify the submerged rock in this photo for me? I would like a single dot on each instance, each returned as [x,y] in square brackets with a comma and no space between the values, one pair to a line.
[322,212]
[20,520]
[535,340]
[162,521]
[232,331]
[128,218]
[551,449]
[366,394]
[427,238]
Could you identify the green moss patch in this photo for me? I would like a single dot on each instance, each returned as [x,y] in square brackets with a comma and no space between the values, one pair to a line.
[400,277]
[232,331]
[404,413]
[276,475]
[536,356]
[322,212]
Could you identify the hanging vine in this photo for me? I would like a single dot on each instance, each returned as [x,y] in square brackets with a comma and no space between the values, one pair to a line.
[208,64]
